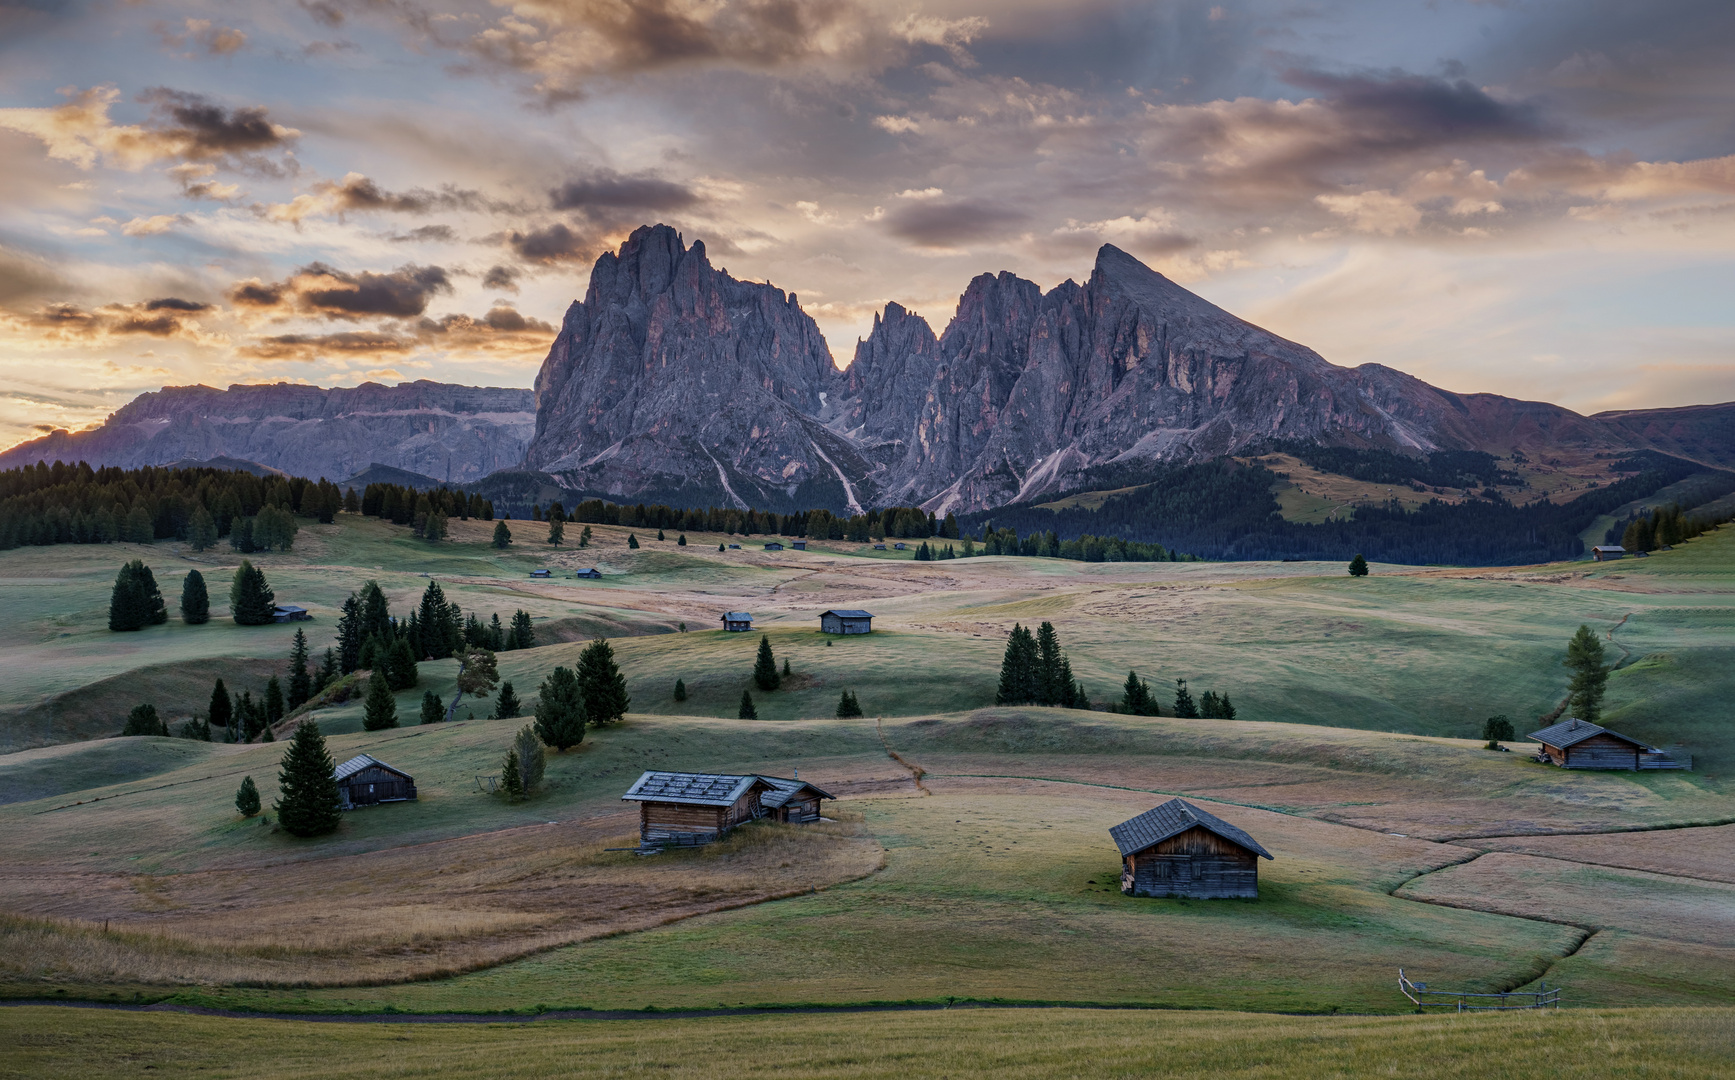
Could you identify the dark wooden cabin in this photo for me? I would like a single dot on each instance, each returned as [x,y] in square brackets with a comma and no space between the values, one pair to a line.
[799,545]
[773,546]
[589,572]
[289,613]
[737,621]
[792,800]
[367,781]
[1178,849]
[694,808]
[1607,552]
[846,621]
[1578,744]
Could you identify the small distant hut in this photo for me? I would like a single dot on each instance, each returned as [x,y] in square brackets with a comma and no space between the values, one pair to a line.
[1579,744]
[798,545]
[899,546]
[846,621]
[734,547]
[695,808]
[541,573]
[1607,552]
[879,547]
[364,780]
[773,546]
[589,572]
[289,613]
[1178,849]
[737,621]
[792,800]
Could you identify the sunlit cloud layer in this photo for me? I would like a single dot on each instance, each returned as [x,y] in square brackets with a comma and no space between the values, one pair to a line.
[1534,198]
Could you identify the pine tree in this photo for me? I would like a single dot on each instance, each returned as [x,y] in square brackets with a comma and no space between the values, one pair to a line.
[1498,729]
[251,601]
[605,689]
[327,673]
[195,601]
[680,690]
[560,710]
[138,528]
[1018,669]
[1052,685]
[510,780]
[556,532]
[765,675]
[400,665]
[219,712]
[201,529]
[523,634]
[436,618]
[1226,707]
[531,758]
[719,545]
[349,636]
[1584,657]
[786,667]
[496,634]
[376,615]
[660,535]
[1184,707]
[300,679]
[382,709]
[195,729]
[502,535]
[632,541]
[507,705]
[747,711]
[273,702]
[136,602]
[247,720]
[143,720]
[1358,566]
[307,801]
[1136,697]
[584,537]
[433,709]
[681,541]
[847,705]
[247,798]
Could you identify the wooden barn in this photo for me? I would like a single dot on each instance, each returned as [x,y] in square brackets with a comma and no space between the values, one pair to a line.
[737,621]
[773,546]
[1577,744]
[590,572]
[792,800]
[541,573]
[1607,552]
[367,781]
[798,545]
[1178,849]
[846,621]
[694,808]
[289,613]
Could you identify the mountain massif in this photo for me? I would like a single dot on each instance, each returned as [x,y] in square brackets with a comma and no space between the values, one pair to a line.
[673,382]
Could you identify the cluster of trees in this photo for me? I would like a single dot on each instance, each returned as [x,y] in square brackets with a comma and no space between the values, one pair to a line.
[1035,671]
[1440,469]
[1138,700]
[766,677]
[902,522]
[370,638]
[76,504]
[592,695]
[1083,548]
[425,512]
[1664,526]
[136,601]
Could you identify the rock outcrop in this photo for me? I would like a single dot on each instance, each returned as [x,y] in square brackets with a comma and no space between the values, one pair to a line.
[454,434]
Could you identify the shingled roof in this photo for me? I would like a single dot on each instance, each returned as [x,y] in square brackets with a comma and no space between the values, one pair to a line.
[696,789]
[362,761]
[1172,819]
[783,790]
[1572,732]
[848,613]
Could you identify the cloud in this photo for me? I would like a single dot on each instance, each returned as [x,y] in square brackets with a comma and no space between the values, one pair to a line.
[196,183]
[947,223]
[556,243]
[1398,109]
[186,127]
[426,234]
[155,225]
[164,317]
[203,34]
[609,190]
[1374,211]
[358,193]
[501,277]
[321,290]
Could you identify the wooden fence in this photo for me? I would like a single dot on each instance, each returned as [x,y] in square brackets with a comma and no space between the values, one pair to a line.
[1543,997]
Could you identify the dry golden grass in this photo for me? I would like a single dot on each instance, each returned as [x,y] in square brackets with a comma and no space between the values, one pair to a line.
[1707,853]
[415,912]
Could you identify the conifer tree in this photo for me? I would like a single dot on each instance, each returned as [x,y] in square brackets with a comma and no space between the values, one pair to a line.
[507,705]
[560,710]
[502,535]
[786,667]
[1053,686]
[1498,729]
[584,537]
[531,758]
[719,545]
[433,709]
[1358,566]
[382,709]
[195,729]
[251,601]
[496,633]
[201,529]
[523,634]
[300,679]
[747,711]
[437,619]
[307,801]
[400,665]
[195,601]
[1018,669]
[1225,707]
[376,615]
[219,711]
[660,535]
[847,705]
[247,798]
[556,532]
[1584,658]
[1184,706]
[136,602]
[273,702]
[327,673]
[478,672]
[266,735]
[680,690]
[681,541]
[138,528]
[510,780]
[246,716]
[632,541]
[349,636]
[605,689]
[765,675]
[1136,697]
[143,720]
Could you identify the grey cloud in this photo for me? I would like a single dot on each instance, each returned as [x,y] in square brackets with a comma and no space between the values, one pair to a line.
[501,277]
[1399,110]
[426,234]
[208,130]
[311,346]
[942,223]
[610,190]
[319,289]
[357,192]
[551,244]
[175,303]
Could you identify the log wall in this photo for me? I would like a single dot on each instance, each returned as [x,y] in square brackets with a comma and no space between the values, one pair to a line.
[1197,863]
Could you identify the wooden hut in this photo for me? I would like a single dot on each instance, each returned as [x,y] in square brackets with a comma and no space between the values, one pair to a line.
[798,545]
[590,572]
[289,613]
[792,800]
[1607,552]
[541,573]
[773,545]
[737,621]
[900,546]
[366,781]
[846,621]
[1178,849]
[1577,744]
[694,808]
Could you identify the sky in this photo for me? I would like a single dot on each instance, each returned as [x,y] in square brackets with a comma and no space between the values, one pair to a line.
[1525,197]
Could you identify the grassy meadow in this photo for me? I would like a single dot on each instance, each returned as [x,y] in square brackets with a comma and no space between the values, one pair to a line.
[968,858]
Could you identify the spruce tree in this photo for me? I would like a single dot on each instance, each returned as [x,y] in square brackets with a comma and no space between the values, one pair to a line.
[125,609]
[138,528]
[328,671]
[1136,697]
[247,798]
[680,690]
[605,689]
[1226,707]
[251,601]
[523,634]
[681,541]
[300,679]
[195,601]
[247,719]
[220,710]
[584,537]
[847,705]
[273,702]
[433,709]
[1053,686]
[747,711]
[765,675]
[1358,566]
[376,615]
[531,758]
[560,710]
[632,541]
[143,720]
[382,709]
[660,535]
[195,729]
[201,530]
[510,780]
[349,636]
[1584,658]
[502,535]
[1018,669]
[1184,707]
[507,705]
[307,801]
[400,666]
[557,532]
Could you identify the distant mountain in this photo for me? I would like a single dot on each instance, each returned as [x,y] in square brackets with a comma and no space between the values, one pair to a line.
[448,433]
[1703,433]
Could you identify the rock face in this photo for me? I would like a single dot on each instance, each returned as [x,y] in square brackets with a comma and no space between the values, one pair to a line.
[673,382]
[451,433]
